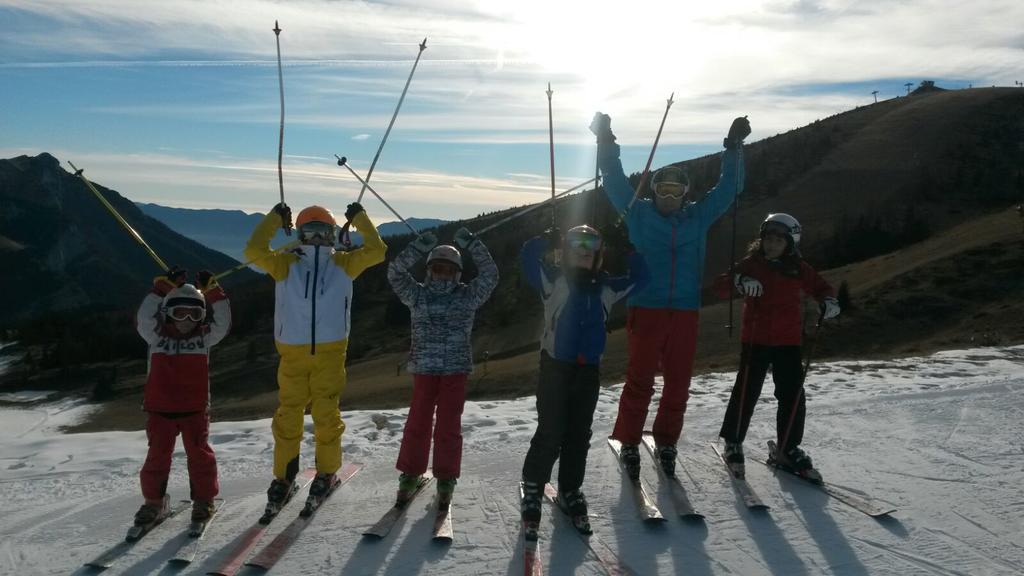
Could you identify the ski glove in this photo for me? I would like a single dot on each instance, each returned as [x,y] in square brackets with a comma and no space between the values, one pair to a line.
[205,280]
[353,209]
[425,242]
[285,213]
[831,308]
[463,238]
[601,126]
[171,279]
[739,130]
[553,236]
[748,286]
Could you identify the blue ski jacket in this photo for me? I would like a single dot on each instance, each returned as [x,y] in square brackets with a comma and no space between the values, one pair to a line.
[673,245]
[576,306]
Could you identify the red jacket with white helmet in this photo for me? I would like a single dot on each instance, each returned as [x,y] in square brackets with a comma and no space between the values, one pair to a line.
[178,379]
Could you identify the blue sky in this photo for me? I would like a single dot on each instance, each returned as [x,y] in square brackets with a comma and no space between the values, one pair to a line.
[177,102]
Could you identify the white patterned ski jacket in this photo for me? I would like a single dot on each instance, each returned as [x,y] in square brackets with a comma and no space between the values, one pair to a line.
[442,315]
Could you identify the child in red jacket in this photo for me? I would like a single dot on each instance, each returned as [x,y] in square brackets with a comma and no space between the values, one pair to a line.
[772,277]
[173,321]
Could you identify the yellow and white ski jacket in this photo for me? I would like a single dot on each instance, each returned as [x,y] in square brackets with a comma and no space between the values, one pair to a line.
[313,295]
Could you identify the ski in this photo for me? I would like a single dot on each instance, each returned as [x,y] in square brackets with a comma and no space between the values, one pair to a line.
[443,531]
[135,533]
[196,530]
[679,497]
[532,565]
[273,551]
[234,560]
[645,505]
[606,557]
[746,492]
[859,502]
[390,518]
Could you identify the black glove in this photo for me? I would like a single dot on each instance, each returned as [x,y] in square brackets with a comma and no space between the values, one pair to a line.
[205,280]
[353,209]
[739,130]
[601,126]
[553,236]
[172,278]
[285,213]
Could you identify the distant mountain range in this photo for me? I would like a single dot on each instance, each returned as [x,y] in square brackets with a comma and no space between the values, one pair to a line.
[227,231]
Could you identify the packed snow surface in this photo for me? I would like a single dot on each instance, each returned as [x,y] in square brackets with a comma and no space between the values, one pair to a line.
[939,437]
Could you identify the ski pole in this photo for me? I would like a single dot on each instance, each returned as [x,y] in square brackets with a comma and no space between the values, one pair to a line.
[551,147]
[280,137]
[597,180]
[287,246]
[532,208]
[423,46]
[113,211]
[747,347]
[732,250]
[803,378]
[343,161]
[650,158]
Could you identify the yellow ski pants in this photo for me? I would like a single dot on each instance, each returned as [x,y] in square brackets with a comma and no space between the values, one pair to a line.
[304,379]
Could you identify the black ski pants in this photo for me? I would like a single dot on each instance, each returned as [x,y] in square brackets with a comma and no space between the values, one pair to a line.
[566,399]
[787,373]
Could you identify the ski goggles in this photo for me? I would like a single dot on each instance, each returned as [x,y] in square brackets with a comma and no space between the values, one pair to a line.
[316,230]
[182,313]
[583,242]
[670,190]
[775,229]
[443,267]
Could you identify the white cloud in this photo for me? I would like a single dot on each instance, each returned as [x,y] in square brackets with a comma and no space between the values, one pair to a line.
[361,137]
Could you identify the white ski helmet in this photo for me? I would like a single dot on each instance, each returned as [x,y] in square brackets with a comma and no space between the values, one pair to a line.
[185,295]
[784,223]
[446,253]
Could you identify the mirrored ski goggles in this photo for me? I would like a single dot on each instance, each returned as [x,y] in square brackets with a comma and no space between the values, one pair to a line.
[583,242]
[670,190]
[182,313]
[314,230]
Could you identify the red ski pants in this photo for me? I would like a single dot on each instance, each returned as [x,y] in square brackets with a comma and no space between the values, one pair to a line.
[162,431]
[446,393]
[657,337]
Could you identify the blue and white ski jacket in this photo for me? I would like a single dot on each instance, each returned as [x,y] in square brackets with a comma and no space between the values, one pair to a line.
[673,245]
[442,312]
[576,307]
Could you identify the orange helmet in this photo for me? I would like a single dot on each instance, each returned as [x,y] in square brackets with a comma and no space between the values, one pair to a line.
[315,214]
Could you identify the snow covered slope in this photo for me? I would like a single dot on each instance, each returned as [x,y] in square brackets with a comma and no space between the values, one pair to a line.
[940,437]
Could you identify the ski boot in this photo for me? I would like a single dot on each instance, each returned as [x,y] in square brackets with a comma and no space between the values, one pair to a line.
[445,491]
[319,490]
[407,485]
[202,511]
[630,455]
[149,515]
[279,493]
[798,462]
[530,507]
[733,455]
[575,503]
[667,457]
